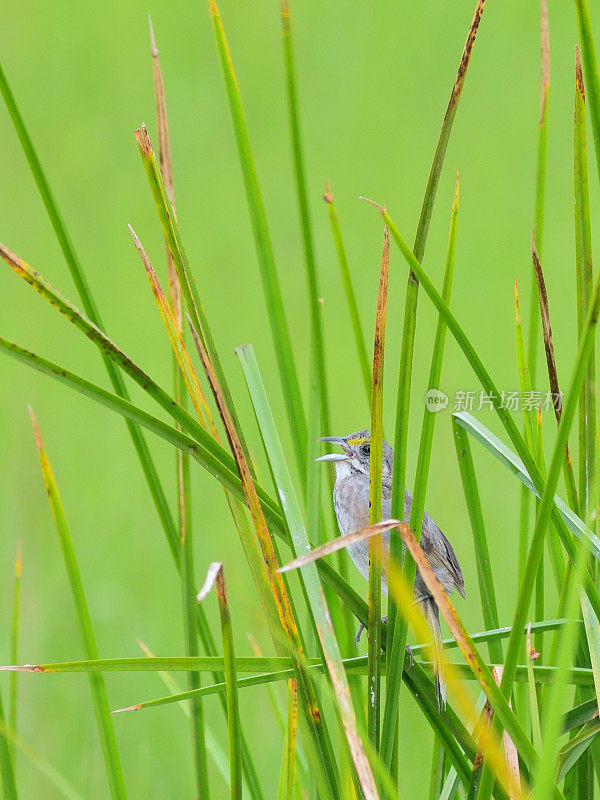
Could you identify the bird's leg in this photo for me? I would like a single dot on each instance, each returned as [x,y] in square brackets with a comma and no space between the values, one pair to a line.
[361,628]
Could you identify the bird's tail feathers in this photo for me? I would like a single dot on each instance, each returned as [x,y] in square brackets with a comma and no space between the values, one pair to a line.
[432,615]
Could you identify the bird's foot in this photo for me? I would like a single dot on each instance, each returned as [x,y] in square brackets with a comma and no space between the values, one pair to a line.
[409,653]
[361,628]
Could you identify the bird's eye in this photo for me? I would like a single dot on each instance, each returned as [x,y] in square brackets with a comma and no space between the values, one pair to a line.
[366,448]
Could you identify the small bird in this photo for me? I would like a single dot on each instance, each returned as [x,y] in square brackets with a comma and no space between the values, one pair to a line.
[351,504]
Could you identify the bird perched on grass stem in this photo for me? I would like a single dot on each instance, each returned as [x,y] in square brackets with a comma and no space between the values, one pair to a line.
[351,504]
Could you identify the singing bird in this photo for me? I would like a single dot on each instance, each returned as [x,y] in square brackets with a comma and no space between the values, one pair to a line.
[351,504]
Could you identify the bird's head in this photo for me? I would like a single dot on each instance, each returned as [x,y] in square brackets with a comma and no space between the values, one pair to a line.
[357,453]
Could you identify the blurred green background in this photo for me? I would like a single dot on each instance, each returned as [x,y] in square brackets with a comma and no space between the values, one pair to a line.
[374,81]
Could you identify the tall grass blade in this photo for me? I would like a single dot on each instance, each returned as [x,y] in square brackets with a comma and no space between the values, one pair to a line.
[277,318]
[570,753]
[287,775]
[103,719]
[7,769]
[316,321]
[14,643]
[592,76]
[396,653]
[534,713]
[215,576]
[540,184]
[568,472]
[213,746]
[310,578]
[584,275]
[182,461]
[278,605]
[410,307]
[357,329]
[375,497]
[485,577]
[87,300]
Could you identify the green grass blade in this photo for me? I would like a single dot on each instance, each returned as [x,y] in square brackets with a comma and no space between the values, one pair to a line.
[168,221]
[506,457]
[357,329]
[87,300]
[14,643]
[215,575]
[534,714]
[277,318]
[590,63]
[396,654]
[375,497]
[540,183]
[410,305]
[103,719]
[287,775]
[555,699]
[7,769]
[570,753]
[316,320]
[487,592]
[213,746]
[309,576]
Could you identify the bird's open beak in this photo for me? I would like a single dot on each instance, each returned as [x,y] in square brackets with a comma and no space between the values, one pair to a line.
[339,440]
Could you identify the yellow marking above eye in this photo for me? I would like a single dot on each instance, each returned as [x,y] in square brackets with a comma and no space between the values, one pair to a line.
[359,440]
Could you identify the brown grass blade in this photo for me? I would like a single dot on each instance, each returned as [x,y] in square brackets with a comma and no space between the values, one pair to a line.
[512,757]
[338,544]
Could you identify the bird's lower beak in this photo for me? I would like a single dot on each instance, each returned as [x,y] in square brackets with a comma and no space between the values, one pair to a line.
[335,456]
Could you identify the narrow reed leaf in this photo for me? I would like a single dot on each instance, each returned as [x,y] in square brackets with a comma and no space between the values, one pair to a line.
[340,543]
[474,660]
[56,778]
[260,664]
[88,302]
[553,374]
[287,775]
[277,603]
[530,657]
[540,184]
[168,221]
[584,712]
[310,578]
[375,498]
[570,753]
[103,719]
[215,576]
[547,490]
[584,276]
[557,692]
[485,578]
[396,653]
[14,642]
[89,329]
[514,464]
[312,278]
[7,769]
[357,329]
[510,751]
[410,306]
[213,746]
[264,250]
[592,75]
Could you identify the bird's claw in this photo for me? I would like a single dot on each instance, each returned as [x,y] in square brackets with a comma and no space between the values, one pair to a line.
[361,628]
[409,653]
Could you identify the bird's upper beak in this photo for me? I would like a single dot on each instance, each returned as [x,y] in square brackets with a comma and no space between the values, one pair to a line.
[335,456]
